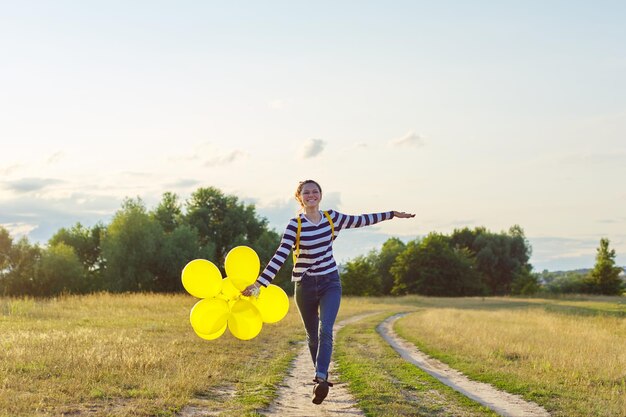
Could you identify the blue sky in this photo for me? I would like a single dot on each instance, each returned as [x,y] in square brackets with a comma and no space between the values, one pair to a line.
[466,113]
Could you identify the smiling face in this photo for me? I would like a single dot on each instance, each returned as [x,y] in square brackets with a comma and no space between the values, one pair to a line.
[309,195]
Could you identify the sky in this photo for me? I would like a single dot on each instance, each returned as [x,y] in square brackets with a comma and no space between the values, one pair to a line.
[467,113]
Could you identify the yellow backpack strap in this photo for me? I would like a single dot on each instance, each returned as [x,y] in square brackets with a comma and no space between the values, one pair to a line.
[332,225]
[296,250]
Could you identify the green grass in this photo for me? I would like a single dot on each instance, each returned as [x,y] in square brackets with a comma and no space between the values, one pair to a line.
[575,305]
[385,385]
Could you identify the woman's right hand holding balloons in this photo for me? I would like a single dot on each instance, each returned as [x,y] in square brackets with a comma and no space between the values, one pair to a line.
[252,289]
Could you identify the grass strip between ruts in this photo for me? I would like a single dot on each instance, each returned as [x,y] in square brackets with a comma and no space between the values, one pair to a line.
[386,385]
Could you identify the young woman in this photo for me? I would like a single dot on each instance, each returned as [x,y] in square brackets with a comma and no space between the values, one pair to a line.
[317,284]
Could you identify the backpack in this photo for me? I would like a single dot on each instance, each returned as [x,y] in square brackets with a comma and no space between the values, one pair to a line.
[296,251]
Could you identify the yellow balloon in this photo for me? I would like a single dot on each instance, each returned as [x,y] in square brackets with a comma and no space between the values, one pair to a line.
[245,320]
[202,279]
[230,302]
[212,336]
[273,303]
[229,291]
[242,266]
[209,315]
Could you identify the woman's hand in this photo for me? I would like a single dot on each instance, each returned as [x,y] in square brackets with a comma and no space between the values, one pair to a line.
[402,215]
[251,289]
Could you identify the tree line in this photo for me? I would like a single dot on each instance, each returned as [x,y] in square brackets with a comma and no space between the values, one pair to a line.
[140,250]
[145,250]
[468,262]
[471,263]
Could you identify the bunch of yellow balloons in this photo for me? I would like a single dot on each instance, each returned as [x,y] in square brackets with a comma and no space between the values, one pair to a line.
[222,305]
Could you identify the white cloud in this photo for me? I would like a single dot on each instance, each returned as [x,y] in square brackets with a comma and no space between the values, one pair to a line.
[209,155]
[225,159]
[411,139]
[612,221]
[17,230]
[460,223]
[39,218]
[183,183]
[184,158]
[10,169]
[136,174]
[55,157]
[312,148]
[277,212]
[278,104]
[617,158]
[26,185]
[331,200]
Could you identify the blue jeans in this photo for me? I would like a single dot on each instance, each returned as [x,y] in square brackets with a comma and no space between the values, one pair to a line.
[318,298]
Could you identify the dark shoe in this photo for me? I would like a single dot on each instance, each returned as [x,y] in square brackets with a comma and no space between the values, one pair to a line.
[320,391]
[316,380]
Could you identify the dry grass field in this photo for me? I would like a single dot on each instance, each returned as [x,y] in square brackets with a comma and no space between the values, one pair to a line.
[136,355]
[556,353]
[126,355]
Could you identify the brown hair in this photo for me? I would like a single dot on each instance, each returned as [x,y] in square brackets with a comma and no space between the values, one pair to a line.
[299,189]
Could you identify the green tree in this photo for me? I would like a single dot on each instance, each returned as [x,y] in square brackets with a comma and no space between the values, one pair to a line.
[466,238]
[223,220]
[501,259]
[60,271]
[6,242]
[525,283]
[169,212]
[384,260]
[360,277]
[139,250]
[604,278]
[86,243]
[20,267]
[175,250]
[179,244]
[130,249]
[433,267]
[6,263]
[570,282]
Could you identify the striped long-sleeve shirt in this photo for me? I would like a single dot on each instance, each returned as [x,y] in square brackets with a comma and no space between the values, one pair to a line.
[316,244]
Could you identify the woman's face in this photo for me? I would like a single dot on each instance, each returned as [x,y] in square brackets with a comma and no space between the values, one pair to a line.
[310,196]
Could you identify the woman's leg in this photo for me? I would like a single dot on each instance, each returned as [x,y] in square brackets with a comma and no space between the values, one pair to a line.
[318,298]
[329,299]
[308,303]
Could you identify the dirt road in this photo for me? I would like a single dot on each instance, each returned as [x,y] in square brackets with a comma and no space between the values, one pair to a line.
[503,403]
[294,394]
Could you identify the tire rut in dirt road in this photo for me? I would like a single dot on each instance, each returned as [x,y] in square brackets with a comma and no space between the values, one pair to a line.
[295,392]
[501,402]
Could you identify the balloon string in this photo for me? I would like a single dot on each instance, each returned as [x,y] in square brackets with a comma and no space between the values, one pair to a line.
[255,293]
